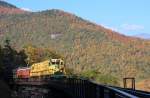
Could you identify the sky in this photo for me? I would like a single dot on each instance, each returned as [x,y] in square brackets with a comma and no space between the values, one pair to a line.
[129,17]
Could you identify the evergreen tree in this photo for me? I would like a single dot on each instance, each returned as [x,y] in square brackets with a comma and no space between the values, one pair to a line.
[11,59]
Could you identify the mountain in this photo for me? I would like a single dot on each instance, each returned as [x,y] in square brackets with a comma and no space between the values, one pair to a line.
[6,8]
[87,47]
[5,4]
[143,35]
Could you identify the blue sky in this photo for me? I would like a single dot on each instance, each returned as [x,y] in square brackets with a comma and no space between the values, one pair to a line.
[130,17]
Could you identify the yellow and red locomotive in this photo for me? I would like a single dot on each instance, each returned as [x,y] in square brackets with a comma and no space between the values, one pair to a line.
[45,68]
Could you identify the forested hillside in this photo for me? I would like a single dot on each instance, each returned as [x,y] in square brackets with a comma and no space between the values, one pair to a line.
[5,4]
[88,49]
[6,8]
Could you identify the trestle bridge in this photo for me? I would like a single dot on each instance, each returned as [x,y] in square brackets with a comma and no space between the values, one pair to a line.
[69,87]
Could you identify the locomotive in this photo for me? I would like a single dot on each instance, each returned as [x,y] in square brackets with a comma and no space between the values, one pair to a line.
[45,68]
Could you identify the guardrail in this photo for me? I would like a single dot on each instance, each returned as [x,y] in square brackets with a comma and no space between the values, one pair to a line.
[139,93]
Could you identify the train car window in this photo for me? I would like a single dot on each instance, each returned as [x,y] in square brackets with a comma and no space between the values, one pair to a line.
[57,63]
[61,63]
[53,63]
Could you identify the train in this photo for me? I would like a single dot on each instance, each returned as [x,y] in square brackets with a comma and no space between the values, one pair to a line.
[45,68]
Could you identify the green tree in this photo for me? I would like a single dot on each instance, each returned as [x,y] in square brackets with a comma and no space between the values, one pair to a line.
[1,64]
[10,59]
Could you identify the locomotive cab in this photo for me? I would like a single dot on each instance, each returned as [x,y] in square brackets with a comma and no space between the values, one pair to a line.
[57,62]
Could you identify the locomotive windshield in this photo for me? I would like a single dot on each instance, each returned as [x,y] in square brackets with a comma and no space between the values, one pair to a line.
[56,62]
[53,63]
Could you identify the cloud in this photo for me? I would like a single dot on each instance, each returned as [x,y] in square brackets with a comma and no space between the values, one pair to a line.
[113,28]
[110,27]
[131,27]
[143,35]
[26,9]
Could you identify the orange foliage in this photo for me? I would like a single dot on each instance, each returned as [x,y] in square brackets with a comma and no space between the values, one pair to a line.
[5,10]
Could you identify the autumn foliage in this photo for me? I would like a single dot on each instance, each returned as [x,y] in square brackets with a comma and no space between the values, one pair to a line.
[85,46]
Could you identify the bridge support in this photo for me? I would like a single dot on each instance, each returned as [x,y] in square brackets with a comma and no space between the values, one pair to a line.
[125,80]
[101,92]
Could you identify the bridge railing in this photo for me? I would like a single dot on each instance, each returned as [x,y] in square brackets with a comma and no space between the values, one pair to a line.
[79,87]
[82,88]
[139,93]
